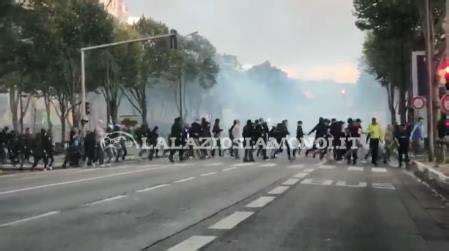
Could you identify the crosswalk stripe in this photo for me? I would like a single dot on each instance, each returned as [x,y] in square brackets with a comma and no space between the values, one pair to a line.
[315,181]
[355,168]
[387,186]
[378,170]
[232,220]
[260,202]
[341,183]
[279,190]
[290,182]
[193,243]
[300,175]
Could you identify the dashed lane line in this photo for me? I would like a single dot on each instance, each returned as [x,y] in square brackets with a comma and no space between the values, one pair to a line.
[77,181]
[261,202]
[106,200]
[290,182]
[308,170]
[208,174]
[214,164]
[278,190]
[298,166]
[184,180]
[326,167]
[152,188]
[17,222]
[244,164]
[193,243]
[229,169]
[268,165]
[232,220]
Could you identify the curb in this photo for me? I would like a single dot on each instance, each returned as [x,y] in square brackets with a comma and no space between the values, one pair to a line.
[428,173]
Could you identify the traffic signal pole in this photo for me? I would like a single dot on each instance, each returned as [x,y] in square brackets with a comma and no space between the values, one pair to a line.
[83,68]
[430,93]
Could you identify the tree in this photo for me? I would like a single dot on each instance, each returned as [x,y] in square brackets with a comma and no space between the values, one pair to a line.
[151,63]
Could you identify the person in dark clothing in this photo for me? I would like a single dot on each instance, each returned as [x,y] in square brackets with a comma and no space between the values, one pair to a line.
[152,137]
[299,138]
[262,133]
[324,149]
[3,144]
[353,133]
[195,132]
[248,137]
[42,149]
[89,148]
[47,144]
[27,140]
[216,130]
[206,134]
[176,135]
[320,130]
[402,138]
[231,137]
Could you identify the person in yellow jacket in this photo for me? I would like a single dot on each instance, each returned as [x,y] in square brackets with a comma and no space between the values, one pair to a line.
[376,136]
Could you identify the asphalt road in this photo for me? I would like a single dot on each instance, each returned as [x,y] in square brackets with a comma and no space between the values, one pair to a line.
[221,204]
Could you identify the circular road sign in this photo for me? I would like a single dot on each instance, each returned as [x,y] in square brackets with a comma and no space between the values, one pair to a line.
[419,102]
[445,104]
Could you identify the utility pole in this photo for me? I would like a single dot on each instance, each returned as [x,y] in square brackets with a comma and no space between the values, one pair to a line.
[430,93]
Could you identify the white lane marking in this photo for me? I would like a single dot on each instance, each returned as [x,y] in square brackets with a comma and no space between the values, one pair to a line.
[298,166]
[300,175]
[182,164]
[232,220]
[387,186]
[355,168]
[279,190]
[378,170]
[290,182]
[316,181]
[341,183]
[214,164]
[326,167]
[106,200]
[229,169]
[308,170]
[243,164]
[77,181]
[261,202]
[152,188]
[184,180]
[193,243]
[29,219]
[268,165]
[208,174]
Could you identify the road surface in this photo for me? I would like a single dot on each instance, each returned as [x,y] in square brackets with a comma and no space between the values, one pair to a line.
[221,204]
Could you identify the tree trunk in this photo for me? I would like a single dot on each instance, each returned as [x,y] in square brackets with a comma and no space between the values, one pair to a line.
[48,110]
[13,105]
[403,106]
[390,94]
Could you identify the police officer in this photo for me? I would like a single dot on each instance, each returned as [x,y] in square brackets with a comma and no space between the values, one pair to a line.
[248,140]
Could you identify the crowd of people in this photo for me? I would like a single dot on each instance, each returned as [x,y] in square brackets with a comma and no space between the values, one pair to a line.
[335,139]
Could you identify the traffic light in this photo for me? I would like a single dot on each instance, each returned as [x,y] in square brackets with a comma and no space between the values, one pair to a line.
[87,108]
[174,39]
[443,73]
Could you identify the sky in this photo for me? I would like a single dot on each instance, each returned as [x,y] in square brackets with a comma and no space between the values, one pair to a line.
[308,39]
